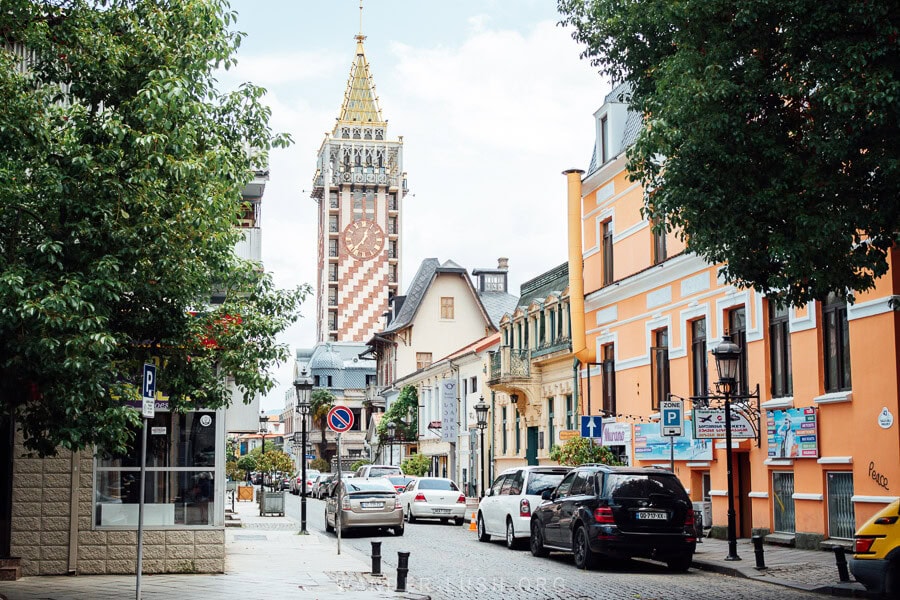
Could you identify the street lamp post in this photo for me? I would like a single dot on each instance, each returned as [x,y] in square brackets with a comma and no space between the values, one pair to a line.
[391,432]
[263,427]
[727,355]
[303,385]
[481,411]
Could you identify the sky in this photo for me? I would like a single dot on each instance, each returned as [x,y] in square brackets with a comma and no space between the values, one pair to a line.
[493,102]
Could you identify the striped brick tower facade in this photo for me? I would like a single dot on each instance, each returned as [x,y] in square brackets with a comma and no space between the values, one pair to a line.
[359,186]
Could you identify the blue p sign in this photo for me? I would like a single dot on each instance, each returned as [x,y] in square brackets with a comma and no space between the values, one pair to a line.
[671,413]
[149,384]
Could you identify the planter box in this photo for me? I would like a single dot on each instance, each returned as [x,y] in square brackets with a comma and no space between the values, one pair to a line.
[271,503]
[245,492]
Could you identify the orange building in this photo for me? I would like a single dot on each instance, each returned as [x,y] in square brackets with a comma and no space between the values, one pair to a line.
[825,449]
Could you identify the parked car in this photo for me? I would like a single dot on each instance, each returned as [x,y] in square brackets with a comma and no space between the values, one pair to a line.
[433,498]
[319,482]
[876,559]
[399,481]
[378,470]
[619,512]
[297,481]
[364,503]
[506,508]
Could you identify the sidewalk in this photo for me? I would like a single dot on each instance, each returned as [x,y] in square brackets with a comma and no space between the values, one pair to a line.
[263,557]
[809,570]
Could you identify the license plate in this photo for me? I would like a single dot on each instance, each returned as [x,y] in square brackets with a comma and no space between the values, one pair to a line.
[652,516]
[441,511]
[372,504]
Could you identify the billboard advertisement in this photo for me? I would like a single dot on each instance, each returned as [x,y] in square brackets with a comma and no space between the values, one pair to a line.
[792,433]
[709,424]
[650,445]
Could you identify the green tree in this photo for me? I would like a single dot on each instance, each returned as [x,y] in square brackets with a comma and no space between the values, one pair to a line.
[416,465]
[779,128]
[578,451]
[320,464]
[360,463]
[120,196]
[275,460]
[404,413]
[247,463]
[320,402]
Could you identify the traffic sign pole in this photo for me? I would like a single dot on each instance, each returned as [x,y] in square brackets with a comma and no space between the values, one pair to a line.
[148,410]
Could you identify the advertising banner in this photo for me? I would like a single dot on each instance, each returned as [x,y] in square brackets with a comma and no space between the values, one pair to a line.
[709,424]
[449,416]
[616,434]
[650,445]
[792,433]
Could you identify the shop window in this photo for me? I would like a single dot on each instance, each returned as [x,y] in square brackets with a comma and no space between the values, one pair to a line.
[783,492]
[841,514]
[179,480]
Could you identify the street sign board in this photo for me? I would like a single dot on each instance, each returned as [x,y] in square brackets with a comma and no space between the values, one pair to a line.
[671,417]
[709,424]
[592,426]
[568,434]
[340,419]
[148,391]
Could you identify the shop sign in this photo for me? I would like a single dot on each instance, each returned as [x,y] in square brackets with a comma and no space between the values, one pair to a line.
[792,433]
[616,434]
[709,424]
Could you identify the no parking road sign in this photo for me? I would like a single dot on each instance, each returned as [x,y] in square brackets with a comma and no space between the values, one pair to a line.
[340,419]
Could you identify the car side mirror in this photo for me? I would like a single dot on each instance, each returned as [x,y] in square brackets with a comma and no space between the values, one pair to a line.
[547,495]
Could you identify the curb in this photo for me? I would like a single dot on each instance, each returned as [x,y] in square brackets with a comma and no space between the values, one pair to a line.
[847,590]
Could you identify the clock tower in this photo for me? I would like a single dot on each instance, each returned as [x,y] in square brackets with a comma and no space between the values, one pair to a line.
[359,187]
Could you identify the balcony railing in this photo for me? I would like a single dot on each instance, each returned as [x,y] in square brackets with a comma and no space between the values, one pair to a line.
[551,346]
[508,363]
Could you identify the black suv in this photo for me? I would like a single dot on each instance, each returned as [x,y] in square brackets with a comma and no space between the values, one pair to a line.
[621,512]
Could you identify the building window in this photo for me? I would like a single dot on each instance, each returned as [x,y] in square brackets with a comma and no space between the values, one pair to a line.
[474,384]
[446,307]
[493,282]
[783,491]
[333,223]
[423,359]
[836,331]
[550,426]
[699,366]
[737,328]
[392,249]
[392,201]
[392,225]
[841,513]
[659,242]
[604,139]
[659,358]
[333,199]
[504,426]
[332,248]
[392,273]
[332,272]
[518,433]
[570,412]
[607,251]
[780,351]
[608,389]
[332,320]
[179,475]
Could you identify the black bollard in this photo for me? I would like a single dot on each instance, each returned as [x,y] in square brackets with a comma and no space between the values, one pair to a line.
[402,570]
[376,558]
[758,551]
[841,559]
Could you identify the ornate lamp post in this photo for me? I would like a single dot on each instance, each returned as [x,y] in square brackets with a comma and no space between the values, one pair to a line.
[481,411]
[303,385]
[263,428]
[728,355]
[391,432]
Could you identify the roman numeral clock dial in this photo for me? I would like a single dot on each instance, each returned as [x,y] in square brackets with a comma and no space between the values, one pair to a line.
[363,239]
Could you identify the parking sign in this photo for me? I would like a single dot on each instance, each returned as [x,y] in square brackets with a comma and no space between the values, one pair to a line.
[671,417]
[148,391]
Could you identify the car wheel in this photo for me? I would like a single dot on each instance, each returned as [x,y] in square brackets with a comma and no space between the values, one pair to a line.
[410,518]
[679,564]
[399,529]
[459,521]
[581,550]
[328,528]
[537,541]
[483,536]
[511,542]
[892,579]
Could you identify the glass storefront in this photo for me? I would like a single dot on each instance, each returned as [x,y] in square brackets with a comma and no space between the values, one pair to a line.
[179,487]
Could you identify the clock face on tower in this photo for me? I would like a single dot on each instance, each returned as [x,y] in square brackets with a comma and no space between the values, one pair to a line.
[363,239]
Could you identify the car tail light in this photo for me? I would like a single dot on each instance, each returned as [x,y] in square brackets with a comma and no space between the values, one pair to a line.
[397,505]
[863,545]
[524,508]
[604,514]
[420,497]
[345,503]
[689,518]
[885,520]
[461,499]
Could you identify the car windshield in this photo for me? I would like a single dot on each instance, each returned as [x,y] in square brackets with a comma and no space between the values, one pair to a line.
[540,482]
[310,474]
[369,485]
[399,479]
[437,484]
[379,471]
[631,485]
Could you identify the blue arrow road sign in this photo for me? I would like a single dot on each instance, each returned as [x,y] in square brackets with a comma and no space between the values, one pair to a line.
[592,427]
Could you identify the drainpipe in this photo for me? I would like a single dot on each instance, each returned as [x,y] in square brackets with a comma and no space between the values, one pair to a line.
[490,467]
[581,352]
[74,483]
[575,365]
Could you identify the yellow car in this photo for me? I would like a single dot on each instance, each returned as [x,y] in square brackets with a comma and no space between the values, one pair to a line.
[876,558]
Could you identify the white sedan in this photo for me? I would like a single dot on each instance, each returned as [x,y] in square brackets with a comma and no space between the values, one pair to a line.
[433,498]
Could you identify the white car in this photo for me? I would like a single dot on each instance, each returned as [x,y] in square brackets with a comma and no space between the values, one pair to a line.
[433,498]
[506,508]
[377,471]
[297,481]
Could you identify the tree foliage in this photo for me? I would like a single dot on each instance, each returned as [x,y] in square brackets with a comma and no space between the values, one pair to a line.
[779,127]
[320,464]
[403,412]
[120,195]
[416,465]
[274,460]
[320,402]
[578,451]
